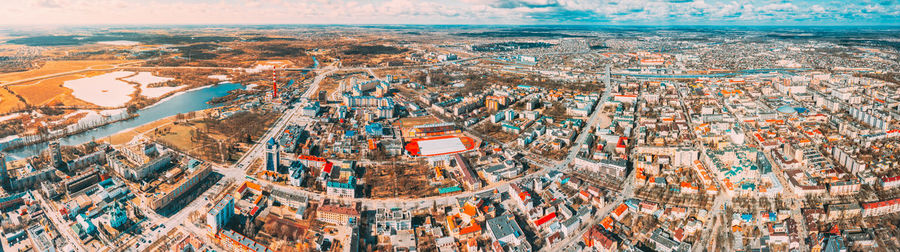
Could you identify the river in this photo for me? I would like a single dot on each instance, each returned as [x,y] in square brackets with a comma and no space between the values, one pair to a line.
[192,100]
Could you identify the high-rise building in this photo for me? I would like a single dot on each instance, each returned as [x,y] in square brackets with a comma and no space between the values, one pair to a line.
[492,105]
[55,154]
[4,175]
[218,216]
[273,155]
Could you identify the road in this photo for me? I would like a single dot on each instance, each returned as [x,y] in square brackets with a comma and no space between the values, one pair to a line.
[257,149]
[231,173]
[181,217]
[91,68]
[721,201]
[238,172]
[591,123]
[60,224]
[129,66]
[627,193]
[627,188]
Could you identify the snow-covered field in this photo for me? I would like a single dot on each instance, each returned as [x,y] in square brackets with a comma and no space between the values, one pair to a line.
[11,116]
[220,77]
[147,78]
[103,90]
[92,116]
[258,68]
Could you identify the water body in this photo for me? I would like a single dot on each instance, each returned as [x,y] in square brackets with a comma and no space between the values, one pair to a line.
[193,100]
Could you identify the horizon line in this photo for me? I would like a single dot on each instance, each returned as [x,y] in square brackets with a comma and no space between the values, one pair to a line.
[463,24]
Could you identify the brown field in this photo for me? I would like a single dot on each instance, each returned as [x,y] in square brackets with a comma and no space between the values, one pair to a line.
[328,85]
[55,67]
[415,121]
[403,180]
[178,136]
[9,102]
[50,91]
[397,73]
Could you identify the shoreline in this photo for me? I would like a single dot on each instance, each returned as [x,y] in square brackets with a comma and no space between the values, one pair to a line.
[136,115]
[173,95]
[166,99]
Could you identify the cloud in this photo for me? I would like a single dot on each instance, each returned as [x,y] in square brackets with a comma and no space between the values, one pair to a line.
[567,16]
[510,4]
[449,11]
[47,4]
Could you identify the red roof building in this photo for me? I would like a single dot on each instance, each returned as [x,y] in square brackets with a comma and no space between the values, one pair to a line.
[545,219]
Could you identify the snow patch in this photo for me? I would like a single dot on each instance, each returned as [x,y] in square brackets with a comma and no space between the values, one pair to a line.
[103,90]
[10,116]
[259,68]
[220,77]
[147,78]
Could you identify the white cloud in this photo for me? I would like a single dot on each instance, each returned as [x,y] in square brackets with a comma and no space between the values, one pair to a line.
[435,11]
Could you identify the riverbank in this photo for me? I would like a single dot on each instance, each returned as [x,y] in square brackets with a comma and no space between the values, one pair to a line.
[173,95]
[37,139]
[127,135]
[182,102]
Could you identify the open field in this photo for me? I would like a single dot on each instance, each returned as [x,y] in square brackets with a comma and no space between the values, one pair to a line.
[329,86]
[410,122]
[403,180]
[127,136]
[56,67]
[9,102]
[50,91]
[179,136]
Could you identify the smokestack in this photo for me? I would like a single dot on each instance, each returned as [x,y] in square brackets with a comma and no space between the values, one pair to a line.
[274,85]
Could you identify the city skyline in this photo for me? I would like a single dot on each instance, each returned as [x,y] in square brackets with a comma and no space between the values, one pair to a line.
[449,125]
[512,12]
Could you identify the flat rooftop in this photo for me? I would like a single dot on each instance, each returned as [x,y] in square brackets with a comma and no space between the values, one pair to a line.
[440,145]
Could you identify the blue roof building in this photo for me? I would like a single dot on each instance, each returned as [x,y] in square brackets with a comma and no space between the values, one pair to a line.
[273,155]
[374,129]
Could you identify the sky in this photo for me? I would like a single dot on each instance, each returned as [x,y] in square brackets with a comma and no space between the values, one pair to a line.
[527,12]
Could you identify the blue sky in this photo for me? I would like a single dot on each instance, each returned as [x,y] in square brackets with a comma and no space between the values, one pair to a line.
[615,12]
